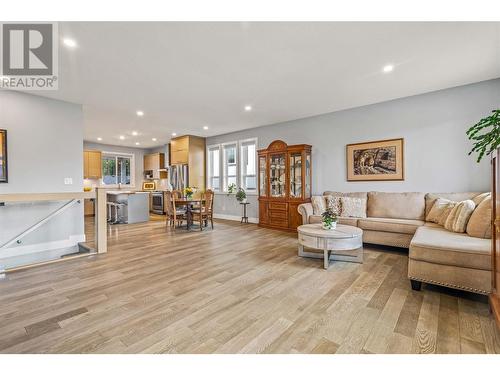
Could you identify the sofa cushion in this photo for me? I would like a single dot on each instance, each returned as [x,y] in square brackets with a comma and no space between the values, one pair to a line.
[440,210]
[319,204]
[362,194]
[430,198]
[459,216]
[481,197]
[333,203]
[437,245]
[314,219]
[396,205]
[353,207]
[383,224]
[480,221]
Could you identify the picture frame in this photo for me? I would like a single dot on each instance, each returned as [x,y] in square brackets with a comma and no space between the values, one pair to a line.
[3,156]
[376,160]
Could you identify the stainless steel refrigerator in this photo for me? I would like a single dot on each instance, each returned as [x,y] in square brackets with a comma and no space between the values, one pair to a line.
[179,177]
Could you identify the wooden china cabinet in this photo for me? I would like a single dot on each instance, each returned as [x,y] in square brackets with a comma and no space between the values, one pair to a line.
[284,183]
[495,254]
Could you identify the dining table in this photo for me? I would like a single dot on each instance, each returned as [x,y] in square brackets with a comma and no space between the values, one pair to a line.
[189,203]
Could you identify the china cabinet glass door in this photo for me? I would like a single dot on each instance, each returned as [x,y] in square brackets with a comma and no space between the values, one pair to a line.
[277,176]
[308,176]
[296,175]
[262,176]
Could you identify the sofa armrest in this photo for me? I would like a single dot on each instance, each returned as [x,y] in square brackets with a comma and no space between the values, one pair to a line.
[306,210]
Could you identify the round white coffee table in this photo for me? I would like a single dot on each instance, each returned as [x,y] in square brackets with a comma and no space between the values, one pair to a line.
[346,239]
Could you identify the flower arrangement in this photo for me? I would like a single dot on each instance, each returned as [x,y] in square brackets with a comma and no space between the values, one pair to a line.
[329,219]
[241,195]
[189,191]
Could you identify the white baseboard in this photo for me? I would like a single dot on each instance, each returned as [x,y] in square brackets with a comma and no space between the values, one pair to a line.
[39,247]
[254,220]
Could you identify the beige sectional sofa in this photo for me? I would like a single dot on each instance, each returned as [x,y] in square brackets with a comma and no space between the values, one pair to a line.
[436,255]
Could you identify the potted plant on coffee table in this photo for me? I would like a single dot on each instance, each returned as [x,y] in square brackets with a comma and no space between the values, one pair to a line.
[329,220]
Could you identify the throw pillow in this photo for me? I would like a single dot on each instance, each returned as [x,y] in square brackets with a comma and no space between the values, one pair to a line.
[440,207]
[353,207]
[318,203]
[480,221]
[479,198]
[459,216]
[333,203]
[446,212]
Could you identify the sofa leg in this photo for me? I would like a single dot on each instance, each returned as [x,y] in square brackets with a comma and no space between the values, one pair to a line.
[416,285]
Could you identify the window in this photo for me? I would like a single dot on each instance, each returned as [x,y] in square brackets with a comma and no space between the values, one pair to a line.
[230,167]
[214,168]
[232,163]
[248,165]
[116,169]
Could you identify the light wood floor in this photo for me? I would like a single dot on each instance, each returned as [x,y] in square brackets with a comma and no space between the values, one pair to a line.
[236,289]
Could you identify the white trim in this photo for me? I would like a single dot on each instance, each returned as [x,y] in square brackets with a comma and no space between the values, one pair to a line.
[222,169]
[73,240]
[132,168]
[254,220]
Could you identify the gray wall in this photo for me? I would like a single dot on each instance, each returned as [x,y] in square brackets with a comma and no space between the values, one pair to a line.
[44,143]
[138,157]
[44,147]
[433,126]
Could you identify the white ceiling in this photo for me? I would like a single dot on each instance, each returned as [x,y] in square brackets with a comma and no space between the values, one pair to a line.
[187,75]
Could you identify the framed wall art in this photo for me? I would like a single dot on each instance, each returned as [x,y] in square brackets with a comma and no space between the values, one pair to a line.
[3,155]
[376,160]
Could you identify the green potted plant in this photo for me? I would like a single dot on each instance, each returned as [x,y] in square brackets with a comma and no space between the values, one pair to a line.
[241,196]
[329,220]
[486,135]
[231,189]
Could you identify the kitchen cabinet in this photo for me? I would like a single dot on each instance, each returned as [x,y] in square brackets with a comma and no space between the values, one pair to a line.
[179,150]
[152,164]
[92,164]
[88,207]
[190,150]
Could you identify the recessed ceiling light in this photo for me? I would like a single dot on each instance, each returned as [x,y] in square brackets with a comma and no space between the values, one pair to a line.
[154,139]
[137,143]
[122,137]
[248,108]
[134,133]
[140,113]
[388,68]
[99,138]
[205,127]
[69,42]
[174,134]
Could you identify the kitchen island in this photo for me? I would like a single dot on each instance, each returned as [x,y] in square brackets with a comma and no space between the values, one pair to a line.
[132,206]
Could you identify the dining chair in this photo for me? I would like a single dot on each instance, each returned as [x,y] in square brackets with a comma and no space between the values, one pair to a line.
[179,212]
[169,208]
[205,211]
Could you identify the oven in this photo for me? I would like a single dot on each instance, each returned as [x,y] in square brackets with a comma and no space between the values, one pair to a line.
[157,202]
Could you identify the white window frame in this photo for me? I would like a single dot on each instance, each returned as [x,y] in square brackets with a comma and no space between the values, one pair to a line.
[223,176]
[210,174]
[132,168]
[225,166]
[240,166]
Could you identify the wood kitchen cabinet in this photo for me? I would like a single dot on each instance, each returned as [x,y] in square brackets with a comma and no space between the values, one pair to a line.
[190,150]
[92,164]
[88,207]
[153,163]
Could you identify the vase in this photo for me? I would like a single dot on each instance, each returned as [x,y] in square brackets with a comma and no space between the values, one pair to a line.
[329,226]
[189,197]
